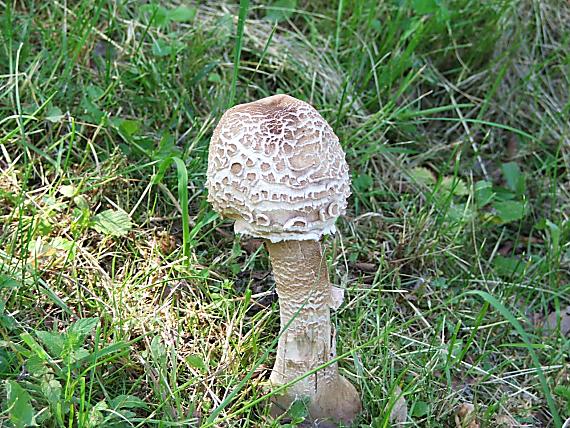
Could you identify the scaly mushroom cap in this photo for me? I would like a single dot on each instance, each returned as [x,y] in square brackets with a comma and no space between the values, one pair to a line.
[277,168]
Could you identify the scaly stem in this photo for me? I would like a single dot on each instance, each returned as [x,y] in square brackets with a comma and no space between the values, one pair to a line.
[304,291]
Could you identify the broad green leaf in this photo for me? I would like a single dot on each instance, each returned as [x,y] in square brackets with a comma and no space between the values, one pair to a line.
[504,194]
[54,342]
[214,78]
[51,389]
[459,213]
[7,281]
[112,222]
[376,24]
[89,104]
[36,366]
[129,127]
[6,359]
[235,268]
[81,202]
[18,401]
[127,402]
[483,193]
[76,355]
[362,182]
[159,14]
[299,410]
[80,218]
[196,361]
[166,147]
[424,7]
[454,185]
[157,349]
[54,114]
[508,266]
[67,190]
[564,392]
[161,48]
[422,175]
[96,417]
[440,283]
[421,409]
[508,211]
[514,178]
[64,247]
[182,14]
[281,10]
[84,326]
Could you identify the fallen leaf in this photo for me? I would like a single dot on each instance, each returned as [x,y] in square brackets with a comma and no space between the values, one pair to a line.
[506,248]
[166,242]
[337,297]
[465,416]
[512,147]
[112,222]
[399,412]
[251,245]
[422,175]
[67,190]
[553,321]
[455,186]
[365,267]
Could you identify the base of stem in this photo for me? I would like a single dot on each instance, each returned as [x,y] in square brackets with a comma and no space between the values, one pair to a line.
[335,403]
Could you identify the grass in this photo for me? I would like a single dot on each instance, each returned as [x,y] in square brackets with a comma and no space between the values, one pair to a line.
[125,301]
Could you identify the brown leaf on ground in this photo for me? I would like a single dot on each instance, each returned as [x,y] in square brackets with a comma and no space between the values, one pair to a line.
[365,267]
[337,297]
[251,245]
[554,321]
[399,412]
[166,242]
[506,248]
[512,147]
[465,416]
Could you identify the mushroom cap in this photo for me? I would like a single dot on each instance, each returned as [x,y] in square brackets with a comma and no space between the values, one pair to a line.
[277,168]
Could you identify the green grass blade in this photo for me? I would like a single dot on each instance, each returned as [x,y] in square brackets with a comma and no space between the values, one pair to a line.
[243,7]
[521,331]
[488,123]
[182,174]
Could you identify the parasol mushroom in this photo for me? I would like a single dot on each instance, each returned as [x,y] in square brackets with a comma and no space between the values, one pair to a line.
[276,167]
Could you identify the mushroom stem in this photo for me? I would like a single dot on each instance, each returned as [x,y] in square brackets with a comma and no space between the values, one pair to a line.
[304,290]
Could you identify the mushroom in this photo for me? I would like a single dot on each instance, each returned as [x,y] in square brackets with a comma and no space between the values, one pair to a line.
[276,167]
